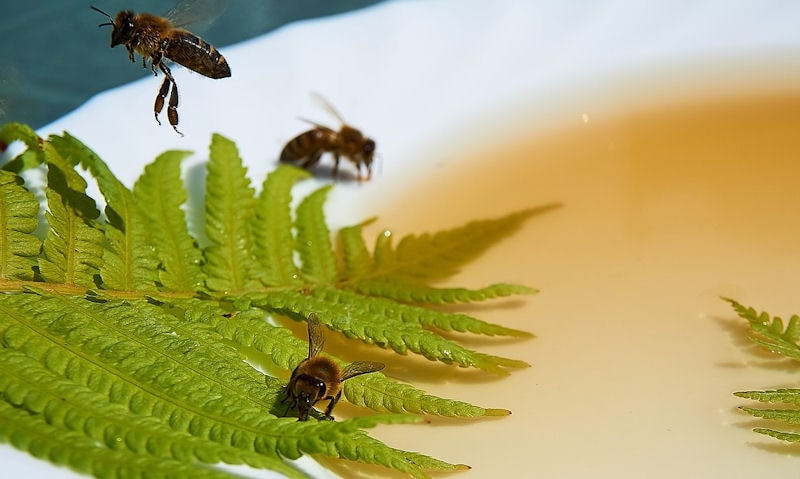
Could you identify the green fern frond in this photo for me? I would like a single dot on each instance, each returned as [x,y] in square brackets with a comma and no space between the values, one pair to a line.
[72,407]
[32,157]
[11,132]
[788,416]
[769,331]
[375,391]
[360,447]
[73,248]
[408,291]
[442,254]
[170,376]
[247,329]
[115,428]
[785,396]
[18,220]
[272,227]
[141,343]
[314,239]
[783,436]
[356,260]
[229,210]
[428,318]
[404,274]
[125,352]
[160,194]
[386,332]
[129,262]
[380,393]
[346,440]
[74,449]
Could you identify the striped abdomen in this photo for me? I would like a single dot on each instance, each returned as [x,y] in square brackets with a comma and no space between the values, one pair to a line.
[196,54]
[310,143]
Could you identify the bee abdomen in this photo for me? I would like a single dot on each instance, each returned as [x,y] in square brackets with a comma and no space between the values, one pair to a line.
[304,145]
[198,55]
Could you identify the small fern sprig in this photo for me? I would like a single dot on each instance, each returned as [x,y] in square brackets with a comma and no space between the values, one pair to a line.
[770,332]
[123,349]
[405,273]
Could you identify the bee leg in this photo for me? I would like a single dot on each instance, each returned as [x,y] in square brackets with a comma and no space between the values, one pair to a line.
[335,171]
[155,59]
[162,94]
[289,406]
[288,398]
[333,402]
[172,108]
[312,160]
[130,54]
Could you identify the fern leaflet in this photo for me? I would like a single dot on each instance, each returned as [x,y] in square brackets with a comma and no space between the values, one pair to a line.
[72,252]
[18,220]
[313,239]
[161,193]
[229,206]
[272,227]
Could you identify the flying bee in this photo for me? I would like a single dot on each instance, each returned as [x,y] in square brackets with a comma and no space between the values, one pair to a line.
[160,39]
[307,147]
[319,378]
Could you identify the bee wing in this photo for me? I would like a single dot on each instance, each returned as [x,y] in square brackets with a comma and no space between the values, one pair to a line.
[318,125]
[196,15]
[326,105]
[361,367]
[316,336]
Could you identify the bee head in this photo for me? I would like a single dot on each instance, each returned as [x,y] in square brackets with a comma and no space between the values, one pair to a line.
[121,27]
[307,391]
[367,153]
[304,404]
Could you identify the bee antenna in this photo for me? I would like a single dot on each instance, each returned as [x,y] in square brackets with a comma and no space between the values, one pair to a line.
[103,13]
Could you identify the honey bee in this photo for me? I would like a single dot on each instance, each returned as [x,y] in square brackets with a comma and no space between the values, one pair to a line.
[159,39]
[307,147]
[319,378]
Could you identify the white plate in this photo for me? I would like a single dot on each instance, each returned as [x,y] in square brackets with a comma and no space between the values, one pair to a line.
[632,368]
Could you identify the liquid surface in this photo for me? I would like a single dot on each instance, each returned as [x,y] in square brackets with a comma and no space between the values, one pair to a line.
[663,211]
